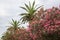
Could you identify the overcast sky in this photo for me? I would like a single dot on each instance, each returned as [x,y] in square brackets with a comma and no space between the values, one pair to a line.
[10,9]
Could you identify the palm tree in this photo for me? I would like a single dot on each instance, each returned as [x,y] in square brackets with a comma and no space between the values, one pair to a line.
[15,24]
[30,12]
[11,30]
[14,27]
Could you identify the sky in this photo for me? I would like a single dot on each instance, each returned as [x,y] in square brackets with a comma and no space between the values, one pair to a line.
[11,9]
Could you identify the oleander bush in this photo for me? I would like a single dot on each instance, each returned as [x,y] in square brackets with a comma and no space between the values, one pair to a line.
[48,25]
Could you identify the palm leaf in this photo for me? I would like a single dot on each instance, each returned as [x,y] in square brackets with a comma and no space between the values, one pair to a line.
[24,8]
[23,19]
[23,14]
[33,4]
[27,6]
[12,20]
[39,7]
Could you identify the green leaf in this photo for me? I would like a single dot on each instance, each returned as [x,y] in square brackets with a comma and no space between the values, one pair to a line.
[27,6]
[39,7]
[33,3]
[23,14]
[24,8]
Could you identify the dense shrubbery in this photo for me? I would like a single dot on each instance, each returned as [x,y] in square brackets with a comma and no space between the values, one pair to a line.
[47,27]
[19,34]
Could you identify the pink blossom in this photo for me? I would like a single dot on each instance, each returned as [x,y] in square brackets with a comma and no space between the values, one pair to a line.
[49,10]
[57,12]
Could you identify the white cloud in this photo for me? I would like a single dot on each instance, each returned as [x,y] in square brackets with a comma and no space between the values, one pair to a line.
[3,13]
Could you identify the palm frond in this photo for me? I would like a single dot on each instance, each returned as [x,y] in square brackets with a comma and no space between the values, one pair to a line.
[23,19]
[24,8]
[15,24]
[23,14]
[39,7]
[33,4]
[27,6]
[30,13]
[12,20]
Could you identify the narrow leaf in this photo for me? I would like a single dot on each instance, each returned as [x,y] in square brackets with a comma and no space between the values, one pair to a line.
[24,8]
[27,6]
[33,3]
[39,7]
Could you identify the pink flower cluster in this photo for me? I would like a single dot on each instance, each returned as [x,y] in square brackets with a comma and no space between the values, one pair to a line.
[21,34]
[48,24]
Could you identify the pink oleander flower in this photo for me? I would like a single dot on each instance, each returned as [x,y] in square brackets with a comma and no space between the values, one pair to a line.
[57,12]
[49,10]
[31,35]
